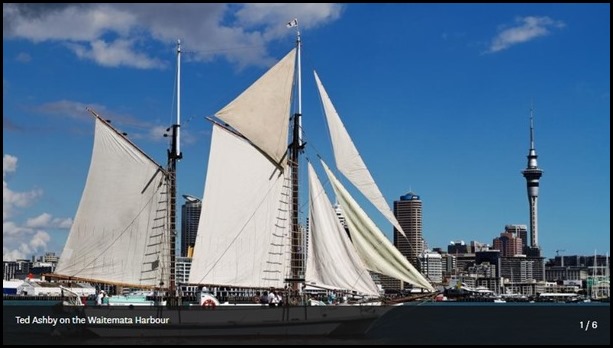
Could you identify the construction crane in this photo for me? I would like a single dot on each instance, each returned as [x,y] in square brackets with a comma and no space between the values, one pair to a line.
[558,251]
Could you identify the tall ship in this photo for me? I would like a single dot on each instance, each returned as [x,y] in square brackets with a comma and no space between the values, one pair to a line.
[249,235]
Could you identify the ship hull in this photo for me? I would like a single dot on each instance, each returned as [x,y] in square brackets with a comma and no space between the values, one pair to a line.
[230,321]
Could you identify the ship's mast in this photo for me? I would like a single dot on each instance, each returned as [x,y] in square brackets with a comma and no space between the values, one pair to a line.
[297,240]
[174,154]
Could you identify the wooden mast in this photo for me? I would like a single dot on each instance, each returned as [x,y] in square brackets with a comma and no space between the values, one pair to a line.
[174,154]
[297,238]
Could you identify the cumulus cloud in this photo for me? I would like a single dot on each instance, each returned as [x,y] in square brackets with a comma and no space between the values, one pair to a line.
[526,29]
[46,220]
[116,53]
[9,164]
[23,57]
[136,128]
[117,34]
[10,198]
[21,240]
[67,108]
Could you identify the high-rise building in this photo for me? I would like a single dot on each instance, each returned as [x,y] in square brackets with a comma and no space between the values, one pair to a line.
[408,212]
[432,266]
[520,231]
[457,247]
[182,268]
[509,244]
[190,216]
[533,173]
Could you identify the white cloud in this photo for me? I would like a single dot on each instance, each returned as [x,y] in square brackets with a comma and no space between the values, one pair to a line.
[66,108]
[114,54]
[12,199]
[23,57]
[135,128]
[9,164]
[42,22]
[114,34]
[9,228]
[158,132]
[39,240]
[22,240]
[46,220]
[276,16]
[527,28]
[12,255]
[78,110]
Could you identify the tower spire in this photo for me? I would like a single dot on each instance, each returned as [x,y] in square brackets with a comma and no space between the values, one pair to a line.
[533,173]
[531,127]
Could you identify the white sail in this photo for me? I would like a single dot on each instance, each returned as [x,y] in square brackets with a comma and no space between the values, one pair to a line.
[243,232]
[332,261]
[261,112]
[349,161]
[374,248]
[120,232]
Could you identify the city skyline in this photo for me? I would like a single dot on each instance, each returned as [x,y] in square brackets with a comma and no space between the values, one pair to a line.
[437,98]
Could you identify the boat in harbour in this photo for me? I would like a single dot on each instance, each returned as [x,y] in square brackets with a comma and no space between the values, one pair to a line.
[250,233]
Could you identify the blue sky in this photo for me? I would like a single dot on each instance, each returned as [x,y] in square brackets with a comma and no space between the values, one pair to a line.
[436,97]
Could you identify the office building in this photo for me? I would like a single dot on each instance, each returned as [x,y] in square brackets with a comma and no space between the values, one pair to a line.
[190,216]
[408,211]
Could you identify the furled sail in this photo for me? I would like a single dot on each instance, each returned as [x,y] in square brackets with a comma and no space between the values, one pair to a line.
[120,232]
[332,261]
[261,112]
[349,161]
[374,248]
[243,232]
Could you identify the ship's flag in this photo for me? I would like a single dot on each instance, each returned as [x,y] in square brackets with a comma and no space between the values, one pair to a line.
[292,23]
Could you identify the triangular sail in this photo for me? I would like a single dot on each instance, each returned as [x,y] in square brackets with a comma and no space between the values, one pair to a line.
[349,161]
[332,261]
[120,232]
[374,248]
[261,112]
[243,231]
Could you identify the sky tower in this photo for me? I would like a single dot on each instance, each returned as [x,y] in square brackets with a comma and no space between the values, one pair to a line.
[532,173]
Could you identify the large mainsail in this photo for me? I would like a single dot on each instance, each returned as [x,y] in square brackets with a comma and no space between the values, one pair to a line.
[332,261]
[120,232]
[243,230]
[348,159]
[261,112]
[374,248]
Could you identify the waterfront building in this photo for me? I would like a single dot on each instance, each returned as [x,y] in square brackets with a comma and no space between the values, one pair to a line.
[521,268]
[10,268]
[431,266]
[182,267]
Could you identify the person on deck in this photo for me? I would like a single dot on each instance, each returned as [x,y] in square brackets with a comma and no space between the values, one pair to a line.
[100,297]
[273,299]
[264,298]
